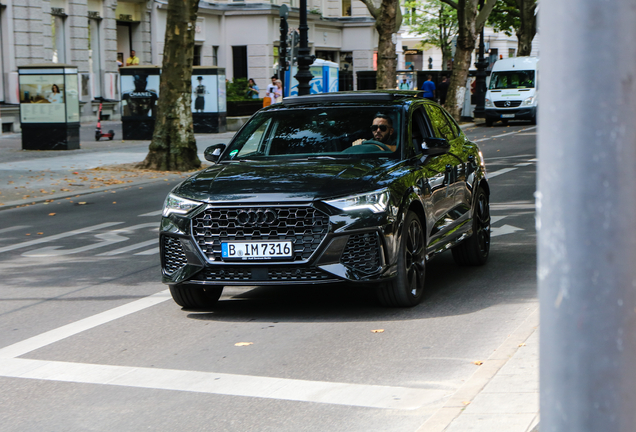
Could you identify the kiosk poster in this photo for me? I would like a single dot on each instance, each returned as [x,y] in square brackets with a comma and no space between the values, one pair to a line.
[72,98]
[140,93]
[42,99]
[204,94]
[222,94]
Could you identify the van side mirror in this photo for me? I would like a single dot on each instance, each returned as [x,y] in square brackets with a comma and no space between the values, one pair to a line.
[435,146]
[213,153]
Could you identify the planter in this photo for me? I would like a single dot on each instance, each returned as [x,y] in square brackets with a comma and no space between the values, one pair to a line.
[243,108]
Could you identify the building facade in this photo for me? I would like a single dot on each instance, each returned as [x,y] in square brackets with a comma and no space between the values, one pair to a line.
[243,36]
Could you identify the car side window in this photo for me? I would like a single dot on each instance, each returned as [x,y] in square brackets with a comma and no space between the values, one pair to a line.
[453,123]
[418,130]
[441,125]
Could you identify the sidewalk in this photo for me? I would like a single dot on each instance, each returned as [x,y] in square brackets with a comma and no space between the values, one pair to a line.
[28,176]
[501,396]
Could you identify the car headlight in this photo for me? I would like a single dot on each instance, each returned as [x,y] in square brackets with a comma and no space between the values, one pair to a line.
[528,101]
[176,204]
[375,201]
[488,102]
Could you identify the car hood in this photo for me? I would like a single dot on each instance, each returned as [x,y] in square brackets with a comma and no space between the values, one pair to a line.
[280,181]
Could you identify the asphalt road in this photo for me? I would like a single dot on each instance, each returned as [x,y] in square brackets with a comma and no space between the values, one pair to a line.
[83,312]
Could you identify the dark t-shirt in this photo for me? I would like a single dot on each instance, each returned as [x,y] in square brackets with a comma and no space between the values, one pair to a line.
[442,89]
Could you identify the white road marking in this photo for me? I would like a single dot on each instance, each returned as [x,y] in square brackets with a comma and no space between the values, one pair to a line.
[152,251]
[503,135]
[500,172]
[503,230]
[107,239]
[523,164]
[153,213]
[130,248]
[52,336]
[57,236]
[13,228]
[370,396]
[495,219]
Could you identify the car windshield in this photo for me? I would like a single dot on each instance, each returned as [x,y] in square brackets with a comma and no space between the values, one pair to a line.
[326,132]
[512,79]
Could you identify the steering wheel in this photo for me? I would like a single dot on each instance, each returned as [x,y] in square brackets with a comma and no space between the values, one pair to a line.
[384,147]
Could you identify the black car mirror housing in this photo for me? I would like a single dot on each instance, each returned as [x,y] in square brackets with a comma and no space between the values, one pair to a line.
[435,146]
[213,153]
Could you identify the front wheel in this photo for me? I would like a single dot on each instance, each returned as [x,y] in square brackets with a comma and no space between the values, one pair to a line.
[407,289]
[195,296]
[474,251]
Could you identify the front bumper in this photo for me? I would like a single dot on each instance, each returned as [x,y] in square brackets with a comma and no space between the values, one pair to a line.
[527,113]
[342,249]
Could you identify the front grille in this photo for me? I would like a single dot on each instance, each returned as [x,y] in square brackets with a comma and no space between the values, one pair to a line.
[173,255]
[362,252]
[502,104]
[305,227]
[260,274]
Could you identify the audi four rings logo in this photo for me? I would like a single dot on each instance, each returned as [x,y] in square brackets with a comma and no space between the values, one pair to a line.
[256,217]
[507,103]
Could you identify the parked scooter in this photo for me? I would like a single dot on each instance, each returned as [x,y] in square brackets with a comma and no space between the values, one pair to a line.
[98,131]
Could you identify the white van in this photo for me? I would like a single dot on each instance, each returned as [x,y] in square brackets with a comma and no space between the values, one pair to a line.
[513,90]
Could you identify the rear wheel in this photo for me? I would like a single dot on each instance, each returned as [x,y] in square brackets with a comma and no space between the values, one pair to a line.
[195,296]
[407,288]
[474,250]
[111,134]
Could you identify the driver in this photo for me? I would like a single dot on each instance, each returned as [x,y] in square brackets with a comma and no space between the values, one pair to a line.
[382,129]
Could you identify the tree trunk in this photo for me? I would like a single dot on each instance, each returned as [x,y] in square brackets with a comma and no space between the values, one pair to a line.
[528,27]
[387,58]
[173,146]
[470,21]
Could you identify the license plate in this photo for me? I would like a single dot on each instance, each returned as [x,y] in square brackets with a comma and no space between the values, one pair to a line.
[257,250]
[507,116]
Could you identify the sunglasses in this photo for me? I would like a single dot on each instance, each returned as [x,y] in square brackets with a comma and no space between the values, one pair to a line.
[383,128]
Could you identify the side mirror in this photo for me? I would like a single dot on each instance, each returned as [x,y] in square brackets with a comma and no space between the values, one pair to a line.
[213,153]
[435,146]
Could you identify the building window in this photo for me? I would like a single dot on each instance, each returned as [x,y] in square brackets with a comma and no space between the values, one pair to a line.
[239,61]
[511,52]
[196,60]
[215,56]
[346,8]
[94,55]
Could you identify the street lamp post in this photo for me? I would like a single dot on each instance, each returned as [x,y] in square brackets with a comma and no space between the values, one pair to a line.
[304,58]
[480,83]
[282,50]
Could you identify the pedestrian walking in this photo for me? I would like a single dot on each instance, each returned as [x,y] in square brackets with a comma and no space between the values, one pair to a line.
[270,94]
[442,89]
[429,88]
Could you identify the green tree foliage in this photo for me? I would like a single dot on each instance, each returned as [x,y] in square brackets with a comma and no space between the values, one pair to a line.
[518,16]
[237,90]
[436,22]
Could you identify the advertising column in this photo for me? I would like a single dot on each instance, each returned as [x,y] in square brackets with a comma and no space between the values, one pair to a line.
[49,107]
[139,96]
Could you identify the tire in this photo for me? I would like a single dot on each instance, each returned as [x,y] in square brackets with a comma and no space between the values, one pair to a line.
[111,134]
[194,296]
[98,135]
[489,122]
[407,289]
[474,251]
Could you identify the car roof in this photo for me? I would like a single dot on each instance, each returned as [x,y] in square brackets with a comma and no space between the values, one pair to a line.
[381,97]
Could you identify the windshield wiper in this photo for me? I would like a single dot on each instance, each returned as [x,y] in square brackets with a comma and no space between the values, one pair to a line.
[325,157]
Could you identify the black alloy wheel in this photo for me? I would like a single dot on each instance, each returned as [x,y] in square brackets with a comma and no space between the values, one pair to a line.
[474,251]
[195,296]
[407,289]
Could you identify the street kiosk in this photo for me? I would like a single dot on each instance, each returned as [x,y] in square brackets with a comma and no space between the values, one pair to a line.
[49,107]
[139,96]
[209,111]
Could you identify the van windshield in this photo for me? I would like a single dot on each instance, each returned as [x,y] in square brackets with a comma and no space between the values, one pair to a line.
[512,79]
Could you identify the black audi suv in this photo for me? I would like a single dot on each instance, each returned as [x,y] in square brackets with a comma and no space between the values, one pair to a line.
[359,187]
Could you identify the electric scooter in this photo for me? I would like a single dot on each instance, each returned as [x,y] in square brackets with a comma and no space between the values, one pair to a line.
[98,131]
